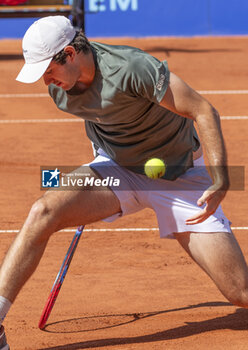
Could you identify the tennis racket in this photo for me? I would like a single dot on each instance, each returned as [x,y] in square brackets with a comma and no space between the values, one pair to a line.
[60,278]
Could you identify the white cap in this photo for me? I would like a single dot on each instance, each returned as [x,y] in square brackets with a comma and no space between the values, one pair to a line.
[41,42]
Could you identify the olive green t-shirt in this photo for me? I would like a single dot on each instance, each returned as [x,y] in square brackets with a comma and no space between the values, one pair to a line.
[122,112]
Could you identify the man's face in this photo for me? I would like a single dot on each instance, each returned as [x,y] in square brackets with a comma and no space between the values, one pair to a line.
[63,75]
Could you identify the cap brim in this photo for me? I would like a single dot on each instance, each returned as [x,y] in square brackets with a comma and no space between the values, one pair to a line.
[31,72]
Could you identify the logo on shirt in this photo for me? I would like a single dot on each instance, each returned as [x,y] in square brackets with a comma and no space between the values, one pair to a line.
[50,178]
[160,82]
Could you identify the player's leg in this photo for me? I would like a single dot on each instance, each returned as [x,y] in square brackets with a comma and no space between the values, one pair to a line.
[54,211]
[220,256]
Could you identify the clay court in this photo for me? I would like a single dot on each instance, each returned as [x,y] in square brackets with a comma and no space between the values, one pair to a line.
[126,288]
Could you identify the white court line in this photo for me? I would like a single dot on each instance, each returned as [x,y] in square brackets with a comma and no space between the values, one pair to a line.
[203,92]
[137,229]
[23,95]
[79,120]
[237,117]
[223,92]
[27,121]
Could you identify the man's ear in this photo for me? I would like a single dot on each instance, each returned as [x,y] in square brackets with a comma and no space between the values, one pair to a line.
[70,51]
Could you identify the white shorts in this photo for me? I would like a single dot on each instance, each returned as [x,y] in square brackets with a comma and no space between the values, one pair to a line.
[172,201]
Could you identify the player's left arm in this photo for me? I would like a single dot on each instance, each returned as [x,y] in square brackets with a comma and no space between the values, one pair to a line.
[185,101]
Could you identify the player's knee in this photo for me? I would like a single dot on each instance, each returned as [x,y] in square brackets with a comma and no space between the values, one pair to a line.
[42,215]
[39,209]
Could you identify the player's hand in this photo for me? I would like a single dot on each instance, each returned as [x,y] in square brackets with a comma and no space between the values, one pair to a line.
[212,198]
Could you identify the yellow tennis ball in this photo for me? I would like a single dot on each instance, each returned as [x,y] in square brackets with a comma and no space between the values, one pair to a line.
[155,168]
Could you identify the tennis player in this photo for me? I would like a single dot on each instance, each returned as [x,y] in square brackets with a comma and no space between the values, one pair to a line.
[134,109]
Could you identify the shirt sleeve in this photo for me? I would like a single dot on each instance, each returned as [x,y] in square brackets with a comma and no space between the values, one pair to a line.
[147,77]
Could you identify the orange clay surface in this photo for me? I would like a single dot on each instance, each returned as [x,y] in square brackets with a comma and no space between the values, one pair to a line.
[124,290]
